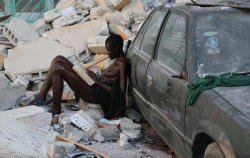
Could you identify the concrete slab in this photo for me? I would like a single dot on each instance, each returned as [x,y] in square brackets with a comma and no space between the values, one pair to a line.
[31,115]
[18,31]
[51,15]
[35,56]
[75,36]
[97,44]
[39,26]
[133,6]
[63,4]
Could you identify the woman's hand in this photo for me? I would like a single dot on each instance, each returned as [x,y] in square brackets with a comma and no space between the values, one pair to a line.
[92,75]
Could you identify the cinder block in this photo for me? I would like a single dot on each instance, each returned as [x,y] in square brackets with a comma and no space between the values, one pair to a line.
[19,31]
[97,44]
[40,75]
[52,15]
[31,115]
[56,149]
[69,19]
[4,48]
[124,32]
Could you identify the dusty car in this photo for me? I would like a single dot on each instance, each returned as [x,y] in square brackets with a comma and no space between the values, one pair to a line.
[177,44]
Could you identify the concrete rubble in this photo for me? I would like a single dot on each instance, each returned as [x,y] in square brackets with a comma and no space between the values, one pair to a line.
[77,30]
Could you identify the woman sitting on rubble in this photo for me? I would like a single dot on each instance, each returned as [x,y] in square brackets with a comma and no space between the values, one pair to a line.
[108,90]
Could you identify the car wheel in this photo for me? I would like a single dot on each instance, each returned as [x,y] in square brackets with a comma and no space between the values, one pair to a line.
[213,151]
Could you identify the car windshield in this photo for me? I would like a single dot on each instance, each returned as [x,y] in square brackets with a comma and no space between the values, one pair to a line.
[223,43]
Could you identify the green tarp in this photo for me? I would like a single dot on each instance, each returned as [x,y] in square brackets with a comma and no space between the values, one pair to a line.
[211,81]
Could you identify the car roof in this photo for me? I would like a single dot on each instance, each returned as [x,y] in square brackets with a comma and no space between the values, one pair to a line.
[187,8]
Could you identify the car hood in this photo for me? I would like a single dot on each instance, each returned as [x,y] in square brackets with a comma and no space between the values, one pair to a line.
[239,97]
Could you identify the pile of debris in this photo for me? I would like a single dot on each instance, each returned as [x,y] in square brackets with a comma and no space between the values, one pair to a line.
[77,30]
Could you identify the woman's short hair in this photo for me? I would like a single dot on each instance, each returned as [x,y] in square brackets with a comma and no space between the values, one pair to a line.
[115,41]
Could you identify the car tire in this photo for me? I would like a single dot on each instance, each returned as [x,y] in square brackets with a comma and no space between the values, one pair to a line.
[213,151]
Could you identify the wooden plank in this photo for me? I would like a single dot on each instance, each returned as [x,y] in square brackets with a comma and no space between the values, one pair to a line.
[95,62]
[81,145]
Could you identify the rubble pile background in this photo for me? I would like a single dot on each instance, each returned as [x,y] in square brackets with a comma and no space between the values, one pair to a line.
[77,30]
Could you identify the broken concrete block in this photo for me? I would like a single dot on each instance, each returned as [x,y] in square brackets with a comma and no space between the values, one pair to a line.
[31,115]
[118,18]
[124,32]
[19,31]
[123,142]
[133,115]
[87,4]
[66,115]
[97,134]
[125,119]
[97,44]
[87,18]
[97,13]
[4,48]
[103,3]
[133,134]
[56,149]
[96,114]
[39,26]
[75,36]
[25,59]
[129,126]
[133,6]
[63,4]
[122,4]
[9,101]
[110,133]
[2,57]
[104,31]
[139,17]
[134,28]
[52,15]
[69,19]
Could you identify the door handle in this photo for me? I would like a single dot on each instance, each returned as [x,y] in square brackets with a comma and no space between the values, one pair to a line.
[149,80]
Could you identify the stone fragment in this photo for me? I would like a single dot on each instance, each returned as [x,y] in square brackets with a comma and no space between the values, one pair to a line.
[97,13]
[63,4]
[87,4]
[133,115]
[124,32]
[118,18]
[31,115]
[69,19]
[133,134]
[97,44]
[122,4]
[110,133]
[129,126]
[134,28]
[133,6]
[25,59]
[2,57]
[56,149]
[123,142]
[39,26]
[19,31]
[76,35]
[52,15]
[104,31]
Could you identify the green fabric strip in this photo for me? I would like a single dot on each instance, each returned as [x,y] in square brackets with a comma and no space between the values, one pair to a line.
[211,81]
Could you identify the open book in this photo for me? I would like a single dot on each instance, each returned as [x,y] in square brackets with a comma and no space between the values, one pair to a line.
[81,71]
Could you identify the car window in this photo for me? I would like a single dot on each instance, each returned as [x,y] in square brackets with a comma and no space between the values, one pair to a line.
[140,34]
[151,34]
[172,46]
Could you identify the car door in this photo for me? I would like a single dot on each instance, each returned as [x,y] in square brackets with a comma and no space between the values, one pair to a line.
[166,82]
[142,49]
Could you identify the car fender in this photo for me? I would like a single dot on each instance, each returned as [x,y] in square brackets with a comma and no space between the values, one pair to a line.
[217,134]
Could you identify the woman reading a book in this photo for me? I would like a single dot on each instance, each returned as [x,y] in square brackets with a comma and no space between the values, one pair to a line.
[108,90]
